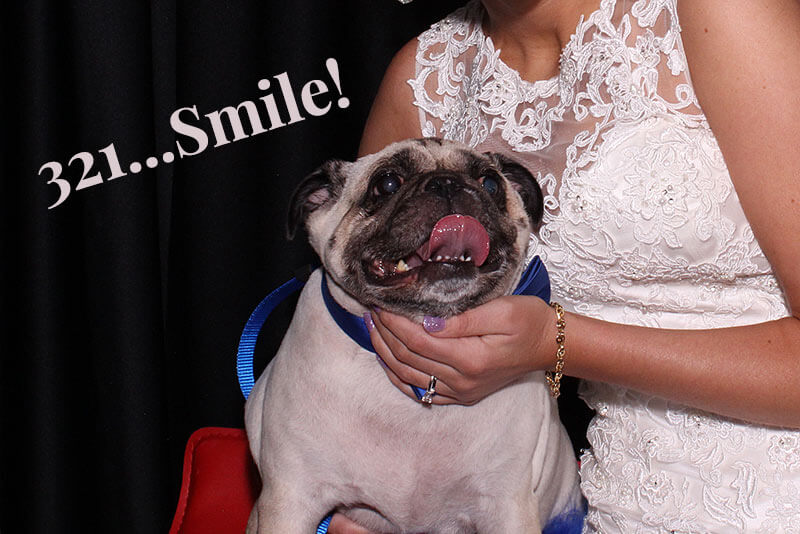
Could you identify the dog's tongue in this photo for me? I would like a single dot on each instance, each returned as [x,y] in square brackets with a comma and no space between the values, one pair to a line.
[455,235]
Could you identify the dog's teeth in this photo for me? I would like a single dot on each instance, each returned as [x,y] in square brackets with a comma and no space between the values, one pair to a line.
[438,258]
[447,258]
[402,266]
[462,258]
[468,258]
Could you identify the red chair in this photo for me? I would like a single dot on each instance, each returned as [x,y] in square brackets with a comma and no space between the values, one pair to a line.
[220,483]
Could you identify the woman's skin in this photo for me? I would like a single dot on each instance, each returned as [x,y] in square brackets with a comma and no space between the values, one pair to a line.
[744,60]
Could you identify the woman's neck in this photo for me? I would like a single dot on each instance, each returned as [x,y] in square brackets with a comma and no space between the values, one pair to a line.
[532,33]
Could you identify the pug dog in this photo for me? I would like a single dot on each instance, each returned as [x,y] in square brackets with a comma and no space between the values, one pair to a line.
[423,227]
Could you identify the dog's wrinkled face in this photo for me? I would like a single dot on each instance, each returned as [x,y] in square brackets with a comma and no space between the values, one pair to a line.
[423,227]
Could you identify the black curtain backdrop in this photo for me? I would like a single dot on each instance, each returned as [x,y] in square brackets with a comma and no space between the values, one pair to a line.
[123,304]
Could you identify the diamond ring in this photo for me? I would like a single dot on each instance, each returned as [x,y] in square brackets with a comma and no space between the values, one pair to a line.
[430,392]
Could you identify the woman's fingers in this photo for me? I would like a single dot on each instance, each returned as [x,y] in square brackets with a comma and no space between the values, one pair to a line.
[471,355]
[404,374]
[414,356]
[342,525]
[407,343]
[412,344]
[492,318]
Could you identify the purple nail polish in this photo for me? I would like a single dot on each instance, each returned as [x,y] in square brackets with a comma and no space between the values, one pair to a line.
[368,321]
[433,324]
[380,361]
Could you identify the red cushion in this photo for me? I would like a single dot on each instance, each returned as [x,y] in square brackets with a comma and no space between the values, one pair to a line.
[220,483]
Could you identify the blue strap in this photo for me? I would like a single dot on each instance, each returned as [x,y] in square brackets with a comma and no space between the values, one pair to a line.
[247,343]
[323,527]
[570,522]
[535,281]
[352,325]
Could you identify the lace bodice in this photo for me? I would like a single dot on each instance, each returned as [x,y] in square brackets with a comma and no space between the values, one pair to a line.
[642,225]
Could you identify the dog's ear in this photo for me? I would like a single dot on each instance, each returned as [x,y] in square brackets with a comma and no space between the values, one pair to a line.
[523,183]
[318,189]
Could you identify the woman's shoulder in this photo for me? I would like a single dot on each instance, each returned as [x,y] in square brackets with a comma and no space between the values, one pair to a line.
[395,111]
[453,35]
[457,32]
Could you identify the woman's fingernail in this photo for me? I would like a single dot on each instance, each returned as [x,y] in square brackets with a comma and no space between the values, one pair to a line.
[368,321]
[380,361]
[433,324]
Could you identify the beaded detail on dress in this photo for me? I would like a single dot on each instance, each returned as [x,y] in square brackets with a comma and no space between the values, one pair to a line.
[643,226]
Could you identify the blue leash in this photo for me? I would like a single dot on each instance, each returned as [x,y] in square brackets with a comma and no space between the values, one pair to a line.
[247,343]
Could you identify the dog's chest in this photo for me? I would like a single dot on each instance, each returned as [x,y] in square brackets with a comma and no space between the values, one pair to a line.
[323,388]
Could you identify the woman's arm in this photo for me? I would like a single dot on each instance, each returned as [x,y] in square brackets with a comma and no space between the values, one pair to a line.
[744,59]
[745,63]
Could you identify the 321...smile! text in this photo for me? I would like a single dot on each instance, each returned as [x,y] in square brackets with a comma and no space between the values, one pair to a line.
[243,120]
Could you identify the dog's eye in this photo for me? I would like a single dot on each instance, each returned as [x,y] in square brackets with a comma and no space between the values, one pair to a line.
[490,183]
[387,183]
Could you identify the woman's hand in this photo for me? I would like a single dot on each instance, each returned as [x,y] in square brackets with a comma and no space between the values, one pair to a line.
[341,525]
[473,354]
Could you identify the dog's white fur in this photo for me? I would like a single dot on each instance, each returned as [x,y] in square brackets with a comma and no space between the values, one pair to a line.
[328,430]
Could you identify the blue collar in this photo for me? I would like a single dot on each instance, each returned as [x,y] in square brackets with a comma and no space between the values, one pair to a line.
[534,281]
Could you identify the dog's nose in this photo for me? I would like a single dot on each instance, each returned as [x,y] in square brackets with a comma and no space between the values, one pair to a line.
[443,185]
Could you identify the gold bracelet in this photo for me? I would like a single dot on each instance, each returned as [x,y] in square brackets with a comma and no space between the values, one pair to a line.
[554,377]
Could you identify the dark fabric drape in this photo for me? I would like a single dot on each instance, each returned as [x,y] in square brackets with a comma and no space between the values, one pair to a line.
[123,305]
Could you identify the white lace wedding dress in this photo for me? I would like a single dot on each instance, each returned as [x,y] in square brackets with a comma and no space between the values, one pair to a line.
[642,226]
